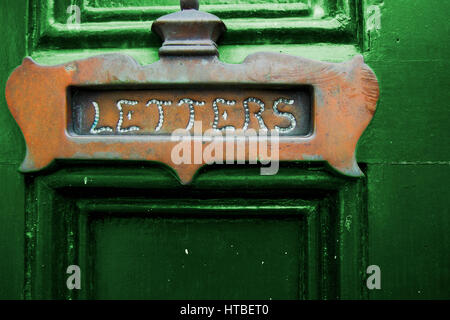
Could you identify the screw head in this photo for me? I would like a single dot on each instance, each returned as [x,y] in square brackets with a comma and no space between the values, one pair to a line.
[189,4]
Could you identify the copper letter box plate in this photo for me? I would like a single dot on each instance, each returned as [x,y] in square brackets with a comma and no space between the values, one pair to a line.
[110,107]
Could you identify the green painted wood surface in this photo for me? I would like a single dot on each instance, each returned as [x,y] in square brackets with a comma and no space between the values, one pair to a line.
[405,148]
[184,258]
[12,147]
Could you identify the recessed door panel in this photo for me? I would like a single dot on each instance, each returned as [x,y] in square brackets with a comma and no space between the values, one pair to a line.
[198,258]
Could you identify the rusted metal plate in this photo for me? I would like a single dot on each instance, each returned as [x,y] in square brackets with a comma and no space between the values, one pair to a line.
[176,110]
[333,104]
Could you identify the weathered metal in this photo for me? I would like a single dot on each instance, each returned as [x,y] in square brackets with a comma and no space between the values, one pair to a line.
[189,4]
[338,102]
[162,111]
[189,31]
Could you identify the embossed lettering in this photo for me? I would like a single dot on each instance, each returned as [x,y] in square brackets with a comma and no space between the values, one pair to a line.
[229,115]
[119,123]
[191,104]
[159,104]
[258,116]
[284,114]
[94,129]
[224,115]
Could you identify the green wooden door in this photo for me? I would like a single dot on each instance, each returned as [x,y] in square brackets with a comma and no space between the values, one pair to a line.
[304,233]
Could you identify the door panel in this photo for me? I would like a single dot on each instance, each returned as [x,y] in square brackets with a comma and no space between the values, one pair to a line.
[231,235]
[128,225]
[198,258]
[136,233]
[121,24]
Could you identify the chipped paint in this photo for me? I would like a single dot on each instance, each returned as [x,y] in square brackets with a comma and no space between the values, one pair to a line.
[348,222]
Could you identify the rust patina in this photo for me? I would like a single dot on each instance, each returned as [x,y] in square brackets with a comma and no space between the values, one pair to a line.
[333,103]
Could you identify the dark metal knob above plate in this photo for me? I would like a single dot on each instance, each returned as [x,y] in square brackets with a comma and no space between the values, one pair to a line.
[189,32]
